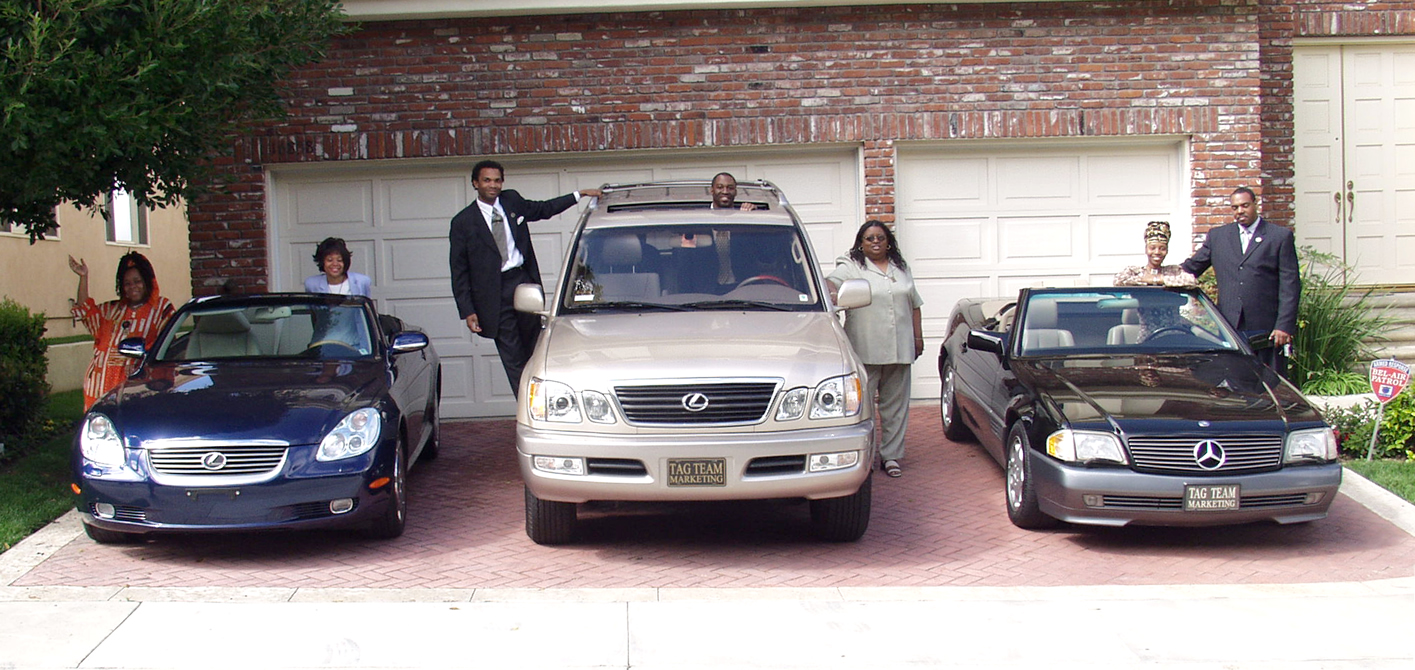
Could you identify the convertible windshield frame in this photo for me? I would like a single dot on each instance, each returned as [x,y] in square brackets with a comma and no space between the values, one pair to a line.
[271,326]
[1119,321]
[694,265]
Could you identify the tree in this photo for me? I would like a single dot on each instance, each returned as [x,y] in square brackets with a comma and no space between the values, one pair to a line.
[140,95]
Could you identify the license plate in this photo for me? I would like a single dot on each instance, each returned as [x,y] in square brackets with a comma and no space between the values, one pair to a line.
[697,472]
[1210,497]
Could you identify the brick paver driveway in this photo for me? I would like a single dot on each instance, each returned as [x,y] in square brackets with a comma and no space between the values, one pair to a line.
[942,524]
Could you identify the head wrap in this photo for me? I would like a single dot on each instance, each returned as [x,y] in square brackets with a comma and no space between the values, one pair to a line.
[1157,231]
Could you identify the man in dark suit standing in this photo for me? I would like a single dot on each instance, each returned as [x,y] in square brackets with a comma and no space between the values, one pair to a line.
[1255,262]
[491,255]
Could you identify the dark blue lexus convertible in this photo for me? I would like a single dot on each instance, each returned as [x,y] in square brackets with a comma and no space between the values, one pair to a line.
[261,412]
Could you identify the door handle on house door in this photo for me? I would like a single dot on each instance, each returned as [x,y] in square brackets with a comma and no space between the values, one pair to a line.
[1337,197]
[1350,201]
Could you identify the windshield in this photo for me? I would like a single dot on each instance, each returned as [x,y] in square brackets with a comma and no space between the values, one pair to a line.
[709,266]
[305,330]
[1121,321]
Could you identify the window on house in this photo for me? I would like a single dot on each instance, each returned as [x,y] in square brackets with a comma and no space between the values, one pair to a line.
[127,220]
[11,228]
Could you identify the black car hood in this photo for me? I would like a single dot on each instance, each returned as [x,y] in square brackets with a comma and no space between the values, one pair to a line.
[295,401]
[1215,387]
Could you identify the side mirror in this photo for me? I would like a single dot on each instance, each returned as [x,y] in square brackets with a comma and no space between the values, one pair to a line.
[529,298]
[408,341]
[982,340]
[132,347]
[853,293]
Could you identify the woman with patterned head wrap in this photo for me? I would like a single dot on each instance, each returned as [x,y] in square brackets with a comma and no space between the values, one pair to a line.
[1155,272]
[139,311]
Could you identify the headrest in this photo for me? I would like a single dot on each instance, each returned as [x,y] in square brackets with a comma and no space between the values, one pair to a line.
[622,250]
[1130,316]
[1041,313]
[224,323]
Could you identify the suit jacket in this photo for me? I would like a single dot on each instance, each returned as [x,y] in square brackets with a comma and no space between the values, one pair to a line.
[476,262]
[358,284]
[1257,290]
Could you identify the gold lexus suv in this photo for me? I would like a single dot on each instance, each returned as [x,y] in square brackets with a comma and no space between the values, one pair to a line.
[693,353]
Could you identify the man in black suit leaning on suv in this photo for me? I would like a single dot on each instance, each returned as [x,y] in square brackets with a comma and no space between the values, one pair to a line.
[491,254]
[1255,262]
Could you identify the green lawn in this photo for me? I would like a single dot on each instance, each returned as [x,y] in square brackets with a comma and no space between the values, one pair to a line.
[34,488]
[1396,476]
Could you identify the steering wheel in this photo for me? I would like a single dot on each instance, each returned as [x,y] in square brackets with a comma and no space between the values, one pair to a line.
[339,344]
[763,278]
[1176,330]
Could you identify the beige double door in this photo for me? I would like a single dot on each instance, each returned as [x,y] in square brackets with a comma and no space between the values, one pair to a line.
[1354,117]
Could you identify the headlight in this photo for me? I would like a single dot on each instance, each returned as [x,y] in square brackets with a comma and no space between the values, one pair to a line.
[597,407]
[1080,446]
[552,401]
[837,397]
[356,434]
[793,404]
[1317,444]
[100,443]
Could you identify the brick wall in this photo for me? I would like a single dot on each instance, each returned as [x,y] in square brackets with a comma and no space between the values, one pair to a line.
[868,75]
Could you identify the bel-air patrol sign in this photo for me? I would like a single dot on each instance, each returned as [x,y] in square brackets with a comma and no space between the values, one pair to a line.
[1388,378]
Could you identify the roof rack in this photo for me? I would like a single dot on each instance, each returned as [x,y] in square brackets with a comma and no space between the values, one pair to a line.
[679,193]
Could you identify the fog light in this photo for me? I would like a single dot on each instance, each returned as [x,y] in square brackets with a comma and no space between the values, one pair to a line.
[341,505]
[559,465]
[1312,498]
[1091,500]
[103,510]
[836,461]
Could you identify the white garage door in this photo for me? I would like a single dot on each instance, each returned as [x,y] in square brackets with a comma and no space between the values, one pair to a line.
[394,216]
[988,219]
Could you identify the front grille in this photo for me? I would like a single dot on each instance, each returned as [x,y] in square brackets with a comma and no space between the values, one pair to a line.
[1284,500]
[615,467]
[1142,502]
[776,465]
[239,459]
[727,403]
[1245,453]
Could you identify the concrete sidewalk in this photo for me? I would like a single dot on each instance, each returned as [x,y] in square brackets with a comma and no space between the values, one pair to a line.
[1180,627]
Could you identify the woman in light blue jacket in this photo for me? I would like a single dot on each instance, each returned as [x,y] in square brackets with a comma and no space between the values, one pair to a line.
[332,259]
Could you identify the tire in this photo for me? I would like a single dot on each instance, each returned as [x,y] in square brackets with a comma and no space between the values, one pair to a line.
[395,516]
[843,519]
[548,521]
[105,536]
[953,427]
[433,445]
[1021,486]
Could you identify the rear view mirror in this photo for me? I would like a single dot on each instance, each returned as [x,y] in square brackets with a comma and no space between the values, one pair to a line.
[529,298]
[853,293]
[982,340]
[132,347]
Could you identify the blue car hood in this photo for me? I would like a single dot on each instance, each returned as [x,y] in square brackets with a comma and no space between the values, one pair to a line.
[1216,387]
[294,401]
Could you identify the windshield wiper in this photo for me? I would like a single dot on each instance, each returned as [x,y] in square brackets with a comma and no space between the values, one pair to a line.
[629,304]
[712,304]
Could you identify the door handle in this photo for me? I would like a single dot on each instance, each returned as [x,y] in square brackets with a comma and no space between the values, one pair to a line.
[1337,198]
[1350,201]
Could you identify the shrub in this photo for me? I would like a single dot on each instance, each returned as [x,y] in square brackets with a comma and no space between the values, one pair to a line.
[1334,323]
[22,370]
[1397,437]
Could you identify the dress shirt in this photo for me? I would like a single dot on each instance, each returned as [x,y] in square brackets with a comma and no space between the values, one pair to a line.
[513,255]
[1245,235]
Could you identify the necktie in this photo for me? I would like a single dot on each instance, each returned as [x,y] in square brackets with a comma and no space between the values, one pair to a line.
[1245,236]
[498,233]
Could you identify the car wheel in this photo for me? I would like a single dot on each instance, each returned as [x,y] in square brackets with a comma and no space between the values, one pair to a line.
[843,519]
[1022,506]
[549,521]
[432,421]
[395,517]
[105,536]
[953,427]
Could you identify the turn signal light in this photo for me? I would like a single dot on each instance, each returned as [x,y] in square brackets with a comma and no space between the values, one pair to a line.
[378,483]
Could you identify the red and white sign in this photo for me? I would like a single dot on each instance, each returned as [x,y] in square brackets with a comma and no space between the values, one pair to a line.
[1388,378]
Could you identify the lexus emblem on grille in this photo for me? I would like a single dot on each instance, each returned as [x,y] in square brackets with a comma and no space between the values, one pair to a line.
[1209,454]
[695,402]
[213,460]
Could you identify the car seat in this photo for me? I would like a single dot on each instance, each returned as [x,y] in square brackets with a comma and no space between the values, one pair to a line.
[222,336]
[1128,331]
[1041,331]
[619,258]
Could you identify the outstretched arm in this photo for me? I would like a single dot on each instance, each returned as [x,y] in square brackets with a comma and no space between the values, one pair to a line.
[80,268]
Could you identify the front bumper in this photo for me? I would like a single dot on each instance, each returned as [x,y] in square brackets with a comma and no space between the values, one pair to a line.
[1119,496]
[642,463]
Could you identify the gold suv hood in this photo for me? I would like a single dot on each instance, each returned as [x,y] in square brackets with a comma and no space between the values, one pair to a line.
[596,351]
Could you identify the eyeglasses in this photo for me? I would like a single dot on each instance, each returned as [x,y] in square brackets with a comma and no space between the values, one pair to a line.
[876,238]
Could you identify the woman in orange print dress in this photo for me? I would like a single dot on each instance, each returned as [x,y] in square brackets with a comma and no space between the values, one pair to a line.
[139,311]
